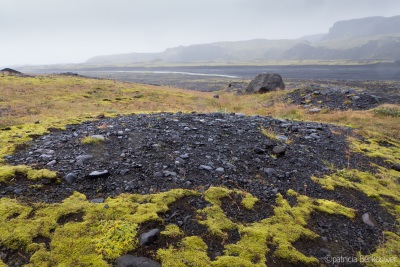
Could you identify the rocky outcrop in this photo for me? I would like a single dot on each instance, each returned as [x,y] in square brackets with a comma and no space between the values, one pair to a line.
[9,71]
[12,72]
[316,98]
[264,83]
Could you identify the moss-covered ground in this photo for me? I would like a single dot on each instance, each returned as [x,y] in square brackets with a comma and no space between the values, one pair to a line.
[110,229]
[30,106]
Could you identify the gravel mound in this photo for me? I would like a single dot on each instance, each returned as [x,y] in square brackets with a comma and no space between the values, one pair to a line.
[350,95]
[151,153]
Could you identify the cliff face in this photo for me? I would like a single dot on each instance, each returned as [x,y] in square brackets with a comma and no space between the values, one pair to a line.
[370,26]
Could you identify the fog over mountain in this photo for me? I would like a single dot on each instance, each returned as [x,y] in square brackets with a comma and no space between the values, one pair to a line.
[372,38]
[71,31]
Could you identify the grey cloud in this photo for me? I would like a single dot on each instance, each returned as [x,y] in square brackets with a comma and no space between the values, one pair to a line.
[48,31]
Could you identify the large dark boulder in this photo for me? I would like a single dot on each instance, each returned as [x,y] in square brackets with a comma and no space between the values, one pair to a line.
[265,82]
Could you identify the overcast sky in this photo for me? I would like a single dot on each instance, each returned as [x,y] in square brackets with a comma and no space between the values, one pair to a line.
[71,31]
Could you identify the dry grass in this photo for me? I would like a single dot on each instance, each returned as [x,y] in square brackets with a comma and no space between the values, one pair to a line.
[367,122]
[269,133]
[26,100]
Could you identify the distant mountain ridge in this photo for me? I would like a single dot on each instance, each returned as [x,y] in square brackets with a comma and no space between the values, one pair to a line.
[372,38]
[364,27]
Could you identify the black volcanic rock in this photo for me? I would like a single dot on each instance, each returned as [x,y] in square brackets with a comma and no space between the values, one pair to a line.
[315,99]
[265,82]
[220,150]
[149,237]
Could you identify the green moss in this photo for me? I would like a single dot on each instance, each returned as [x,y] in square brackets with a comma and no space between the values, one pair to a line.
[332,207]
[36,186]
[158,203]
[92,140]
[379,146]
[281,230]
[388,252]
[287,226]
[252,245]
[172,230]
[216,221]
[192,251]
[72,245]
[249,201]
[171,196]
[6,173]
[292,193]
[20,134]
[225,261]
[213,216]
[214,194]
[138,208]
[13,215]
[322,205]
[149,212]
[18,229]
[40,257]
[103,233]
[110,229]
[115,238]
[383,184]
[41,174]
